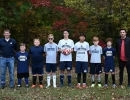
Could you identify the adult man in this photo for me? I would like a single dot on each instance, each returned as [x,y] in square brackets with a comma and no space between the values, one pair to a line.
[65,46]
[123,53]
[8,48]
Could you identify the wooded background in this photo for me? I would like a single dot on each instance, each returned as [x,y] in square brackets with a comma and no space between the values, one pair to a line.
[29,19]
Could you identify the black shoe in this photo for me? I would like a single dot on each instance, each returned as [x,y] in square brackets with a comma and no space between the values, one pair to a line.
[70,85]
[12,87]
[2,87]
[61,85]
[129,86]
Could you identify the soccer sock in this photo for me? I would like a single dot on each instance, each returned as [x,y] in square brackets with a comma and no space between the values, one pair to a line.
[34,80]
[48,79]
[113,78]
[61,78]
[69,78]
[93,79]
[40,80]
[106,78]
[54,80]
[84,78]
[99,79]
[78,77]
[19,81]
[26,80]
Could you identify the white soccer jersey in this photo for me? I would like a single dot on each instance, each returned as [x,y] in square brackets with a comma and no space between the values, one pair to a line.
[81,51]
[66,44]
[95,52]
[51,52]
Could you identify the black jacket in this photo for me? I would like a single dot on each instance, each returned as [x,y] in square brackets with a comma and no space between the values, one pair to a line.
[127,47]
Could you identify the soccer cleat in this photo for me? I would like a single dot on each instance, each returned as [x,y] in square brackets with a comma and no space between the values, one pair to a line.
[122,86]
[99,85]
[78,86]
[19,86]
[114,85]
[41,86]
[47,86]
[70,85]
[105,85]
[93,85]
[33,86]
[27,85]
[84,86]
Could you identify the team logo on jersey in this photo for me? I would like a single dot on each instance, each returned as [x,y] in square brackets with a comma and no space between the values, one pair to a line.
[109,53]
[22,58]
[95,51]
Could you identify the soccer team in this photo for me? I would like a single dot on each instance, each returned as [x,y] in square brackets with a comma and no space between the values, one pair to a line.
[65,46]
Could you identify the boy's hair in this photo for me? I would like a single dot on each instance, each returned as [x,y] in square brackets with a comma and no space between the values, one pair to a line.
[123,29]
[36,40]
[22,44]
[95,38]
[109,39]
[7,30]
[50,35]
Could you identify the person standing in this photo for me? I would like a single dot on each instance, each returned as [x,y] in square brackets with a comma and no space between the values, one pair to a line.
[8,47]
[123,54]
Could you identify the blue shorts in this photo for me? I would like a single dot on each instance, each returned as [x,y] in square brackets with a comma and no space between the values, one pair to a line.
[95,68]
[109,69]
[81,67]
[65,65]
[50,67]
[37,70]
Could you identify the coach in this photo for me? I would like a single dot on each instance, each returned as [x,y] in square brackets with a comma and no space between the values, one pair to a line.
[8,48]
[123,53]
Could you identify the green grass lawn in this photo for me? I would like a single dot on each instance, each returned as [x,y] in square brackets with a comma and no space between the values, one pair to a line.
[67,93]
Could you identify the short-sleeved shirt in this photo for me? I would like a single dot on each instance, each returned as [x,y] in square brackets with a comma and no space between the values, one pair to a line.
[96,52]
[51,52]
[109,54]
[22,62]
[81,51]
[66,44]
[36,55]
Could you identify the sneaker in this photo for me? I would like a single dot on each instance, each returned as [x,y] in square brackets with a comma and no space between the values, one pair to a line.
[78,86]
[99,85]
[33,86]
[47,86]
[60,85]
[70,85]
[41,86]
[84,86]
[105,85]
[114,85]
[93,85]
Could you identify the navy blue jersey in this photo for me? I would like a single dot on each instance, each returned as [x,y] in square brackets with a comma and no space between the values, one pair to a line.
[22,62]
[37,56]
[109,54]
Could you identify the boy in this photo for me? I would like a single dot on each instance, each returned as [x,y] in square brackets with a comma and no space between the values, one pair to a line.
[95,61]
[65,46]
[36,52]
[22,58]
[51,49]
[81,48]
[109,55]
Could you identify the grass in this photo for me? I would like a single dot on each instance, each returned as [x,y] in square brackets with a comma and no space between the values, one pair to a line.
[67,93]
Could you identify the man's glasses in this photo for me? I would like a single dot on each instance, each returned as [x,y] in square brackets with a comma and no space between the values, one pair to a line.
[50,38]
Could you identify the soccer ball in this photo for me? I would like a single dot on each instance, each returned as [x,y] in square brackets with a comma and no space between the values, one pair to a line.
[66,52]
